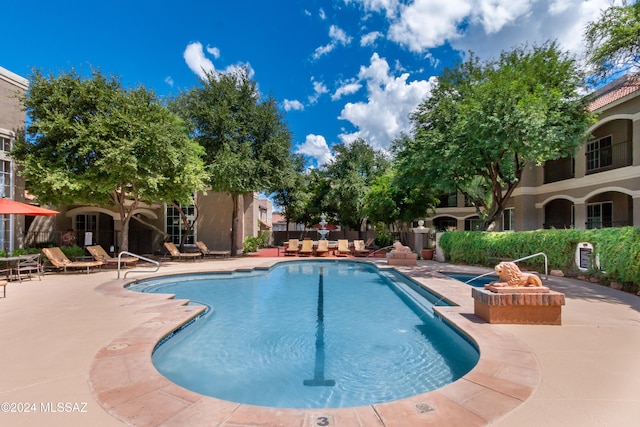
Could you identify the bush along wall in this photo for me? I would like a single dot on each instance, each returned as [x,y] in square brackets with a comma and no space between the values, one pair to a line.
[618,251]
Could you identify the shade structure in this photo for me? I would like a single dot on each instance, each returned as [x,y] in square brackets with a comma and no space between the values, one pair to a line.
[8,207]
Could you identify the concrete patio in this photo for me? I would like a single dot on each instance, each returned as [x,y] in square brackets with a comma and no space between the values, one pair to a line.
[55,333]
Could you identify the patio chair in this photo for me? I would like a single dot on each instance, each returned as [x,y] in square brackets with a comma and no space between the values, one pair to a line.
[99,254]
[307,248]
[343,248]
[323,247]
[206,251]
[175,253]
[292,249]
[371,243]
[28,264]
[59,260]
[359,248]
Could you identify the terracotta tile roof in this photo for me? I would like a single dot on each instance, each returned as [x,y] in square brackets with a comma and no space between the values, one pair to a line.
[614,91]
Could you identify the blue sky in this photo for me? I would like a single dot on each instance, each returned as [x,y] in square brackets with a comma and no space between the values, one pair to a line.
[340,69]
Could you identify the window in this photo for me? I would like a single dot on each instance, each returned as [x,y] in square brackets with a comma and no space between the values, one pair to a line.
[175,227]
[5,178]
[448,200]
[86,223]
[5,191]
[508,219]
[473,224]
[600,215]
[599,154]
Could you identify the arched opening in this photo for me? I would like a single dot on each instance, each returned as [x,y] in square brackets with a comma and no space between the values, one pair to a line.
[609,209]
[443,223]
[559,213]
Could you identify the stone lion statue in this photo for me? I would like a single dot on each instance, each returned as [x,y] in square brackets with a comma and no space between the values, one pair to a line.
[510,275]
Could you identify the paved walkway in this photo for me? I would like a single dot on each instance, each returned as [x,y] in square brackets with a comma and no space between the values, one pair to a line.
[52,331]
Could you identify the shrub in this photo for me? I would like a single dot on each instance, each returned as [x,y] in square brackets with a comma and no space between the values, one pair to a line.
[250,244]
[618,249]
[73,251]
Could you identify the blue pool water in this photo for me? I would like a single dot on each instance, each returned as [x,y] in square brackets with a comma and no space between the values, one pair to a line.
[477,282]
[310,335]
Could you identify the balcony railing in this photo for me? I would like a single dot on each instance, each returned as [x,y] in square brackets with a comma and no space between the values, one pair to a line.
[558,170]
[615,156]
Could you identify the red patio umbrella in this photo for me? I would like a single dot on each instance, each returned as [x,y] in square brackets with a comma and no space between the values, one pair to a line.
[8,207]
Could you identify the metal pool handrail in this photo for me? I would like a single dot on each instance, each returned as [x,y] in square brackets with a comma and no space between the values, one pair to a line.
[137,256]
[546,266]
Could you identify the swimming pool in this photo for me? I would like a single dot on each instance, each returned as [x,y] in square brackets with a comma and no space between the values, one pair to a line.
[478,282]
[310,335]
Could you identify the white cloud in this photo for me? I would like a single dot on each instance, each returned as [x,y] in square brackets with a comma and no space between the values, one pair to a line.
[390,101]
[316,146]
[213,51]
[293,104]
[321,14]
[319,89]
[425,24]
[369,39]
[347,88]
[169,80]
[197,61]
[486,27]
[338,37]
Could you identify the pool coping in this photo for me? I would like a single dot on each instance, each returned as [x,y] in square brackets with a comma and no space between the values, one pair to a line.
[125,383]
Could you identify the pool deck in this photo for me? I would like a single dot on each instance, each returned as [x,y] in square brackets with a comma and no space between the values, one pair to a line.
[75,350]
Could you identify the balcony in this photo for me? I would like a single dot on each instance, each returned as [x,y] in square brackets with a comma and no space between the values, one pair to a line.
[609,157]
[559,170]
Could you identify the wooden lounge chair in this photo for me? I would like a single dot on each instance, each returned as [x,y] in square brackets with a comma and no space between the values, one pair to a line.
[343,248]
[292,249]
[206,251]
[323,247]
[359,248]
[99,254]
[175,253]
[59,260]
[307,248]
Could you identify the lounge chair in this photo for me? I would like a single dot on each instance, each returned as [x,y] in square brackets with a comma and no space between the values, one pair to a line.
[371,243]
[292,249]
[307,248]
[206,251]
[99,254]
[59,260]
[359,248]
[175,253]
[343,248]
[323,247]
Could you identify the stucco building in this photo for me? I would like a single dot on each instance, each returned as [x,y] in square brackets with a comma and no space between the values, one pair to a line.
[598,187]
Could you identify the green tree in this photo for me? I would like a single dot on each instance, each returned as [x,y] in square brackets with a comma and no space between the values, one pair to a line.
[613,41]
[292,196]
[350,174]
[246,141]
[91,141]
[485,121]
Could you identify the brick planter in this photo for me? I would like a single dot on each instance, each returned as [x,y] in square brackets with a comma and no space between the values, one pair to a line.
[402,258]
[526,306]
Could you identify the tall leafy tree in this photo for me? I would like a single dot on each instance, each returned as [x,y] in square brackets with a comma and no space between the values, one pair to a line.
[292,195]
[613,41]
[485,121]
[351,173]
[91,141]
[246,140]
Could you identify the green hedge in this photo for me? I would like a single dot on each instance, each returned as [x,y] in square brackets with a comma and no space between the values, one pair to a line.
[618,249]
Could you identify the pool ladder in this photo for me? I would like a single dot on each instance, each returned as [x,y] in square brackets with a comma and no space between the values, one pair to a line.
[546,266]
[137,271]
